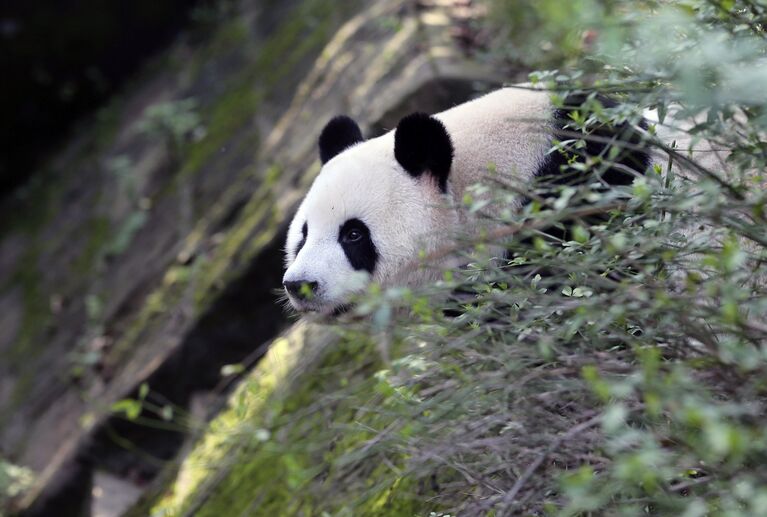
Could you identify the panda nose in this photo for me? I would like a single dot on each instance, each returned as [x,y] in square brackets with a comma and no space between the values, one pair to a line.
[297,291]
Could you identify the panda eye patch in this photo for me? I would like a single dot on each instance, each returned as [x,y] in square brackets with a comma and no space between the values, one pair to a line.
[354,237]
[304,232]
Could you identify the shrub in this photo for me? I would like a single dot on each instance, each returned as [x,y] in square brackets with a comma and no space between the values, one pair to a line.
[619,369]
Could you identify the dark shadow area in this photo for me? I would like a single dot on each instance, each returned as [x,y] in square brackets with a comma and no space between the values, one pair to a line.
[61,59]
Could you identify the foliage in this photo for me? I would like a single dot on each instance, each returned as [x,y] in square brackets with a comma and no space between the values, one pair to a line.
[175,122]
[14,480]
[619,369]
[543,32]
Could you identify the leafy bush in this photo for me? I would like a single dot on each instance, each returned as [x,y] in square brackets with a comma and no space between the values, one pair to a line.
[619,369]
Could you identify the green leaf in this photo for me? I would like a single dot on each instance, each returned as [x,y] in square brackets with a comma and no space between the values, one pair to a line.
[143,391]
[131,408]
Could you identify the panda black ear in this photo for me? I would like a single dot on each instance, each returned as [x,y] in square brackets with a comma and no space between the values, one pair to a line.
[421,144]
[339,134]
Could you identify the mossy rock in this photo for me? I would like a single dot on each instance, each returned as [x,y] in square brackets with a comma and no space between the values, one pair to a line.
[285,444]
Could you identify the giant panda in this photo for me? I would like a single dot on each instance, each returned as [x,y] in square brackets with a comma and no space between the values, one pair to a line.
[379,203]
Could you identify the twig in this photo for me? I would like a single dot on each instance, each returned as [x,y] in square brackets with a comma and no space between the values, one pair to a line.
[512,229]
[508,500]
[685,485]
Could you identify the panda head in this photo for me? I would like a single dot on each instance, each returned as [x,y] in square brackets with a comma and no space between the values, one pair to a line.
[374,206]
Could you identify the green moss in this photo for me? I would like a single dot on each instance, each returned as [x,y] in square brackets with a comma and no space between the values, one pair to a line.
[273,174]
[169,294]
[250,398]
[233,35]
[36,308]
[304,30]
[98,231]
[229,38]
[35,320]
[257,227]
[291,441]
[230,113]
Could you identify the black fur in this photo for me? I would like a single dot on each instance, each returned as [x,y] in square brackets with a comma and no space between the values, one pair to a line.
[555,170]
[361,252]
[304,232]
[338,135]
[421,143]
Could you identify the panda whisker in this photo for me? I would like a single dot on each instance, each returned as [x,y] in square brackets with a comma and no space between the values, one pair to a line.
[283,300]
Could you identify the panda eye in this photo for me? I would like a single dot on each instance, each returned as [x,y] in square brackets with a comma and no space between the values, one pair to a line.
[353,235]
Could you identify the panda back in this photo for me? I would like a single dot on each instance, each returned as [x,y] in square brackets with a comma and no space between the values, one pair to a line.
[507,131]
[510,132]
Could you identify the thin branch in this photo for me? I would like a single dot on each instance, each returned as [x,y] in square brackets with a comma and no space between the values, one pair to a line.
[508,500]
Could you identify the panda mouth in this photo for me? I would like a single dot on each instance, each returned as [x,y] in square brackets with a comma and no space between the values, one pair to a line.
[306,306]
[313,305]
[323,309]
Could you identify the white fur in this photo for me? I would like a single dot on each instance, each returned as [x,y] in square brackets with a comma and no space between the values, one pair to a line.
[505,130]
